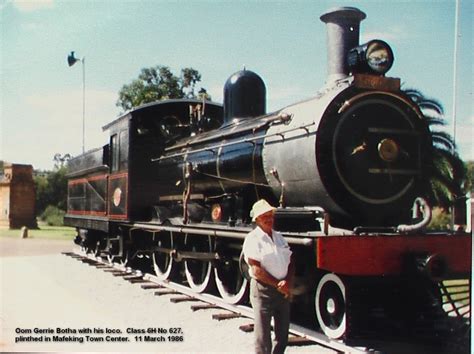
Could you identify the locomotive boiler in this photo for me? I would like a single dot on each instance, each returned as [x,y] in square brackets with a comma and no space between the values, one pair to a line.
[347,168]
[357,150]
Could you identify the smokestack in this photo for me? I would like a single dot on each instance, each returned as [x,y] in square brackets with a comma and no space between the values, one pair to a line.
[343,25]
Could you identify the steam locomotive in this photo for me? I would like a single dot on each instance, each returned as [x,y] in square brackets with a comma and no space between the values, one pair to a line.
[347,169]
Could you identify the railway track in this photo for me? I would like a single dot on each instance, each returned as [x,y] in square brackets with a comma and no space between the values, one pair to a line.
[179,293]
[298,336]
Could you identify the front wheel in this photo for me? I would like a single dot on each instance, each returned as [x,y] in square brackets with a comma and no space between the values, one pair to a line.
[330,303]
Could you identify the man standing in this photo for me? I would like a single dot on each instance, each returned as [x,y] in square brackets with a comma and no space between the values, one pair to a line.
[268,255]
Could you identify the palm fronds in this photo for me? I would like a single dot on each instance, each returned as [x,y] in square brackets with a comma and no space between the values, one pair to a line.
[447,172]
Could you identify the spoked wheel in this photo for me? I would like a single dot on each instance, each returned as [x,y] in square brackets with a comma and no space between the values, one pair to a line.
[92,245]
[117,253]
[163,263]
[120,260]
[198,272]
[100,247]
[331,306]
[232,286]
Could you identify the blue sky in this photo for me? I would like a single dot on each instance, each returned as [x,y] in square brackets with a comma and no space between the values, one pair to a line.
[283,41]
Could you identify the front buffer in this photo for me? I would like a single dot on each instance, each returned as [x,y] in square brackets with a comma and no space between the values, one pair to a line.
[415,287]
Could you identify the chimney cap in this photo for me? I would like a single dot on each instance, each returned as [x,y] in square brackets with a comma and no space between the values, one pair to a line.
[349,13]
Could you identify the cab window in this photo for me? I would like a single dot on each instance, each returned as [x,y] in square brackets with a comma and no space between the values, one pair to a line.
[114,152]
[119,151]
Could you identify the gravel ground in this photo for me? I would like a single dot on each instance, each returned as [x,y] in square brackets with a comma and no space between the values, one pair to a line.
[50,291]
[14,247]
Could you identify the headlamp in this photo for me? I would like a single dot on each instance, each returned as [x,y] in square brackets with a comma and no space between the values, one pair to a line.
[374,57]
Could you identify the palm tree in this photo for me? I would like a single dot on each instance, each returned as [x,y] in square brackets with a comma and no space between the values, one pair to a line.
[447,172]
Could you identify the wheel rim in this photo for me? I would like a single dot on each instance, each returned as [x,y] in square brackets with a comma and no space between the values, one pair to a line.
[116,248]
[232,286]
[83,249]
[99,248]
[162,261]
[198,273]
[330,305]
[120,260]
[91,246]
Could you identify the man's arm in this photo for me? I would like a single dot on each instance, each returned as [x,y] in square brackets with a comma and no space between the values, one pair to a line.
[261,274]
[266,278]
[284,286]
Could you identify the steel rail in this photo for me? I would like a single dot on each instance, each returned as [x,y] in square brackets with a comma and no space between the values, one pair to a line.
[241,310]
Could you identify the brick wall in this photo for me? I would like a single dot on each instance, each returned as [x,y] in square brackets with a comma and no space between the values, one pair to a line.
[17,196]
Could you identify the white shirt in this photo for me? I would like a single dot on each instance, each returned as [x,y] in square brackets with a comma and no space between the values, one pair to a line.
[273,254]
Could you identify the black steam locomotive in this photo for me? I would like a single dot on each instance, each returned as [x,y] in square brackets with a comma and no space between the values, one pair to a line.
[346,168]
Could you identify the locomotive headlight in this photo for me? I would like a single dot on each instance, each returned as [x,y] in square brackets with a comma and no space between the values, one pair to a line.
[375,57]
[379,56]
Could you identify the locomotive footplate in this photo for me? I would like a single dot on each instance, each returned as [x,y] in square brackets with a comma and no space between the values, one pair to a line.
[385,255]
[415,287]
[303,239]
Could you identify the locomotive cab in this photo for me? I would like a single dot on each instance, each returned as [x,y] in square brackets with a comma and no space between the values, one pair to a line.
[118,182]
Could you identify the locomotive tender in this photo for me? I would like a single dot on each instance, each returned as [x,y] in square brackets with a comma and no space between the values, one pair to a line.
[346,168]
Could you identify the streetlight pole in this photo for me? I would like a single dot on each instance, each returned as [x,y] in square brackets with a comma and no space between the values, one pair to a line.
[71,59]
[83,104]
[455,74]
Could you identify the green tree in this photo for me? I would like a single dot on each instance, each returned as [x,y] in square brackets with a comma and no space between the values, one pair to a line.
[440,220]
[189,78]
[51,186]
[159,83]
[41,185]
[470,176]
[447,171]
[57,186]
[61,160]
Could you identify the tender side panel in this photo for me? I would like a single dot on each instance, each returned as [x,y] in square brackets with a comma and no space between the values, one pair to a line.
[89,163]
[385,255]
[87,222]
[87,196]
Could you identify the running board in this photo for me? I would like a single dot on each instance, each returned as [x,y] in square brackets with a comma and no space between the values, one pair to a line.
[304,241]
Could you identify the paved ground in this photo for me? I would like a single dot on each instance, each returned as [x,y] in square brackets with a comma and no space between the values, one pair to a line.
[14,247]
[44,290]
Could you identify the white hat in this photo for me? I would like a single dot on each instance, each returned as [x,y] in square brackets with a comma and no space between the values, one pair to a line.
[259,208]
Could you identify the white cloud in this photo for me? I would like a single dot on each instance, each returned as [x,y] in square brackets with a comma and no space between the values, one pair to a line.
[464,137]
[391,35]
[280,97]
[464,140]
[216,92]
[33,5]
[32,26]
[48,123]
[277,97]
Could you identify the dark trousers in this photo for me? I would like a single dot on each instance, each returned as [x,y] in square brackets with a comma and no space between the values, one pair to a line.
[267,302]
